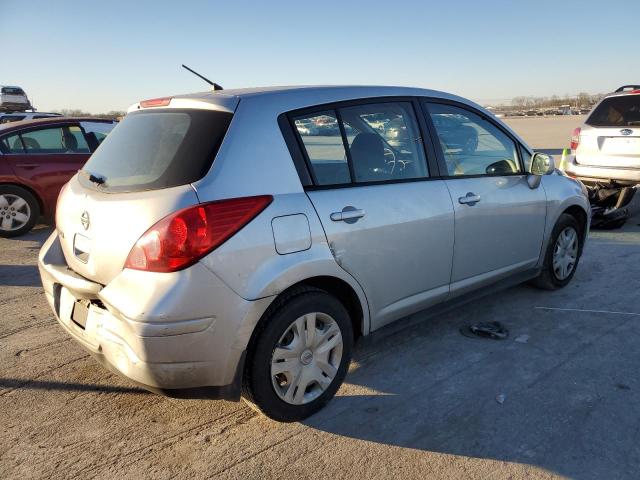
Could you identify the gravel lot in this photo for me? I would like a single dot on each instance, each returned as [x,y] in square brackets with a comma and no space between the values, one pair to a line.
[419,401]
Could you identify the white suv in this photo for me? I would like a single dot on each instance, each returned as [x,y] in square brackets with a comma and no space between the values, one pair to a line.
[607,147]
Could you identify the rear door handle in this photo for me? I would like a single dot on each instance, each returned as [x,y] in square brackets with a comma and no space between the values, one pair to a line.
[348,215]
[469,199]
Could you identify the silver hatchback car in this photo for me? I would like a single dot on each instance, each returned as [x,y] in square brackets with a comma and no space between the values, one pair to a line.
[237,242]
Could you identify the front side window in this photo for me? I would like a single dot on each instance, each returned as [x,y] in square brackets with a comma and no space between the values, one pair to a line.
[96,132]
[381,143]
[471,144]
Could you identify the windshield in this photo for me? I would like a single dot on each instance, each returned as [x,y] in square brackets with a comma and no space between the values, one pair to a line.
[620,111]
[150,150]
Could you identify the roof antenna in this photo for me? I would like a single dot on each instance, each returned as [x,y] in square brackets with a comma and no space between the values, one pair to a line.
[214,84]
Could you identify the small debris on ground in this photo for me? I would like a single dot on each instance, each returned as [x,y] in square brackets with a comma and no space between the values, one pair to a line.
[494,330]
[501,398]
[521,339]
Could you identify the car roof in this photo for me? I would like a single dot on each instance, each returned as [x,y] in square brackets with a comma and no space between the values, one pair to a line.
[318,90]
[294,97]
[7,127]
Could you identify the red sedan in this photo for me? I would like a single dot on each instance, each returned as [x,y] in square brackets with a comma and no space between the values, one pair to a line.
[37,157]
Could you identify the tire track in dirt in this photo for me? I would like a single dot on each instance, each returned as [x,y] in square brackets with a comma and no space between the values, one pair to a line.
[93,470]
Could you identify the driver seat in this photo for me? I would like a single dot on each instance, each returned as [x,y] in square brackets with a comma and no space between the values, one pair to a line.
[367,154]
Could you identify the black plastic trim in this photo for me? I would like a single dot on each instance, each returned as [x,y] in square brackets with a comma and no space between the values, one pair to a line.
[299,161]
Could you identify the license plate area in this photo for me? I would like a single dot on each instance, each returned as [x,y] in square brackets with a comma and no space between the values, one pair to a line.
[621,146]
[80,313]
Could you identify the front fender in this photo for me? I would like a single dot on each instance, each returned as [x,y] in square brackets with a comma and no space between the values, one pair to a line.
[562,193]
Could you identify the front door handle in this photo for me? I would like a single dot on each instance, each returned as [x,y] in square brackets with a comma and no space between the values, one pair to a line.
[28,166]
[469,199]
[348,215]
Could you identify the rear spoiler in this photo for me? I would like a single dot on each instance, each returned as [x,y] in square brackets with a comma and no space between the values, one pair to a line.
[627,87]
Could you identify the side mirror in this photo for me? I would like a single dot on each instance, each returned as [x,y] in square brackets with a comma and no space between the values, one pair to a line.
[541,164]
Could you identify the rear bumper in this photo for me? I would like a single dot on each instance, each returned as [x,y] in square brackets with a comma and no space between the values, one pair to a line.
[590,174]
[180,334]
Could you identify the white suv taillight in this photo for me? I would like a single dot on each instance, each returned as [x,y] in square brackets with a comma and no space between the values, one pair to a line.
[575,139]
[184,237]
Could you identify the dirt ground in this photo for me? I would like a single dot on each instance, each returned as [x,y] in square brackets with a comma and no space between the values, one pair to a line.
[419,400]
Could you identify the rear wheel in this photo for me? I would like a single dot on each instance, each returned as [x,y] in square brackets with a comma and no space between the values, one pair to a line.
[19,211]
[299,356]
[562,255]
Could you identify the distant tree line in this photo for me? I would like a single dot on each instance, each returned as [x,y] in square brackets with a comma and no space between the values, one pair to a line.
[581,100]
[111,115]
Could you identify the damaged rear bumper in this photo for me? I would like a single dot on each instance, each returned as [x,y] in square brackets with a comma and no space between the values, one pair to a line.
[181,334]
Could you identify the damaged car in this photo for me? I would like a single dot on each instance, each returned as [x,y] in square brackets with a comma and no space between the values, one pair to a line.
[216,246]
[605,155]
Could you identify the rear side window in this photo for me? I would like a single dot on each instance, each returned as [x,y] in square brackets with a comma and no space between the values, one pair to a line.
[154,149]
[322,141]
[371,142]
[11,144]
[621,111]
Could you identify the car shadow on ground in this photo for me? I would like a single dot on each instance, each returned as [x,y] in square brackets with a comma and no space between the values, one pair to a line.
[561,393]
[19,276]
[39,234]
[15,383]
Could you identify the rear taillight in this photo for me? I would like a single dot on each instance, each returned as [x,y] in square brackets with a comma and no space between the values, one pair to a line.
[182,238]
[575,139]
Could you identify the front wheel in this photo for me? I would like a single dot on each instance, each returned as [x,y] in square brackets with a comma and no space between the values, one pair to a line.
[562,255]
[299,356]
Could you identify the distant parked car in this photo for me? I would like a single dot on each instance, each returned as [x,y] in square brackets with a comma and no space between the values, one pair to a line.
[37,157]
[606,148]
[13,99]
[18,116]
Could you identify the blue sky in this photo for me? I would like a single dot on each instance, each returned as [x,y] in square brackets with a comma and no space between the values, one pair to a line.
[101,56]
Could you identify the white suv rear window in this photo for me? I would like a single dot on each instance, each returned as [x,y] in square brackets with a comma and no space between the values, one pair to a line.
[623,111]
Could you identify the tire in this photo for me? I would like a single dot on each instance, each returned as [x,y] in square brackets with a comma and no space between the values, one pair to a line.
[550,278]
[279,396]
[25,211]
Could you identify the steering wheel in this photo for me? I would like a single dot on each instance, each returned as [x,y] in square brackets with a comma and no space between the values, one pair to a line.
[390,158]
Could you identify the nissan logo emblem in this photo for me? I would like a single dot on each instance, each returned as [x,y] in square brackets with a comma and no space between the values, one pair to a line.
[84,219]
[626,131]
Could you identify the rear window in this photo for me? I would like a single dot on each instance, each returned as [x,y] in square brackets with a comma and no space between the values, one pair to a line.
[154,149]
[621,111]
[12,91]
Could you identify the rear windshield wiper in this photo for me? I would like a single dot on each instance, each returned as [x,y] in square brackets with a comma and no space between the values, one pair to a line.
[97,179]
